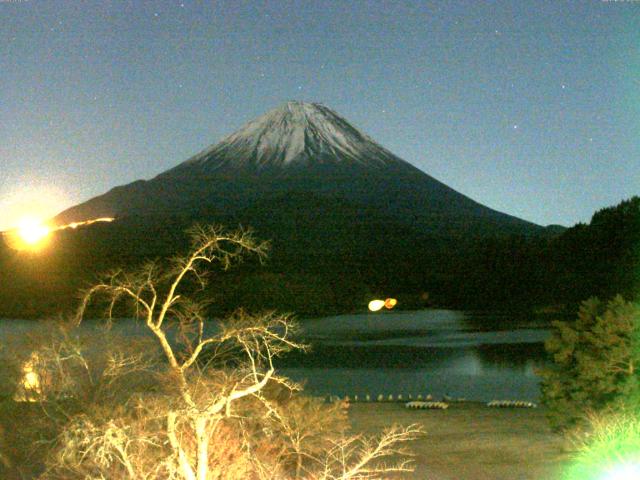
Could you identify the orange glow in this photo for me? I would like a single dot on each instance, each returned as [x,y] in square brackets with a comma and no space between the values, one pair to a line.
[33,234]
[74,225]
[32,231]
[30,388]
[35,199]
[377,305]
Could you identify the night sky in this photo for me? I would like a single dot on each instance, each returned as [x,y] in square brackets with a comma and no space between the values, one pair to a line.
[529,107]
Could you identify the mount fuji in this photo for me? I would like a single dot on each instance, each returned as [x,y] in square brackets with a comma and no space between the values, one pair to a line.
[347,219]
[301,160]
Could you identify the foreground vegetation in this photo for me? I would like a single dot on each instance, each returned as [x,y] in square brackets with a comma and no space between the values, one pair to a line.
[595,362]
[469,441]
[609,447]
[592,389]
[189,402]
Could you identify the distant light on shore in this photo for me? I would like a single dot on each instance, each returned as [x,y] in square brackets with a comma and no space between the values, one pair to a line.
[376,305]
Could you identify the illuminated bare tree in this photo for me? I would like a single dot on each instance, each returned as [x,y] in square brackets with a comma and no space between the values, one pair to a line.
[220,394]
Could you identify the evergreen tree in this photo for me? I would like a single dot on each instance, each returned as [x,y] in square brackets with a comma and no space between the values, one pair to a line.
[595,361]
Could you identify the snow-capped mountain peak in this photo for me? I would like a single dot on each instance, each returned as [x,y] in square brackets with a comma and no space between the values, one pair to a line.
[300,159]
[296,133]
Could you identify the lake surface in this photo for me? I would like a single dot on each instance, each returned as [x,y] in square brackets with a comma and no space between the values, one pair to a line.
[437,352]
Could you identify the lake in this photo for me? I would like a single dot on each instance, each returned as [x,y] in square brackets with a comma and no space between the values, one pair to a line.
[437,352]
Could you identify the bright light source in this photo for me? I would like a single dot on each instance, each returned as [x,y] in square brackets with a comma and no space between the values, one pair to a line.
[32,231]
[36,198]
[30,234]
[627,471]
[29,389]
[375,305]
[389,303]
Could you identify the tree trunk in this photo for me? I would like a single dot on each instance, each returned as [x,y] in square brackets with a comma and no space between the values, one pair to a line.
[183,460]
[203,448]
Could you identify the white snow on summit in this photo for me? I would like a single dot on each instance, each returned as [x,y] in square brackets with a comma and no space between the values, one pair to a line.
[294,133]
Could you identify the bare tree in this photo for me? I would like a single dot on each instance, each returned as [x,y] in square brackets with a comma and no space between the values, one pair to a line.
[220,394]
[359,457]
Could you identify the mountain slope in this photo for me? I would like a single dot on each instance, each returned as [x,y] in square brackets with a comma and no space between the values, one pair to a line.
[300,147]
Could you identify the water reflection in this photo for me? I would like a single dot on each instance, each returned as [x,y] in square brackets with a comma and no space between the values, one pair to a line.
[433,351]
[438,351]
[521,357]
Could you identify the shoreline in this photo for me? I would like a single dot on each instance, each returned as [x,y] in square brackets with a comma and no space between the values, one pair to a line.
[498,310]
[470,441]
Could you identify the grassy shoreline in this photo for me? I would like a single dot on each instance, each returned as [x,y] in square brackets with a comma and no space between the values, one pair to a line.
[470,441]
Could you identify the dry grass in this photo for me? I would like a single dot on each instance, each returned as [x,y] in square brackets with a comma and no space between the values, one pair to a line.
[471,442]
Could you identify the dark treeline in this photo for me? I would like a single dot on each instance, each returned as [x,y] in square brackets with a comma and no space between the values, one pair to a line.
[323,263]
[601,259]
